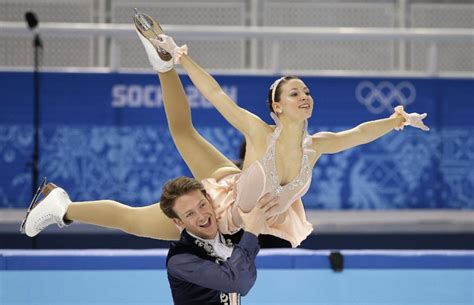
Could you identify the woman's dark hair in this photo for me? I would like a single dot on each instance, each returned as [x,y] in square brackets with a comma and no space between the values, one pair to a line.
[283,81]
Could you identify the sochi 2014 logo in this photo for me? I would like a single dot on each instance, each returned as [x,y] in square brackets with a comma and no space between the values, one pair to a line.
[385,95]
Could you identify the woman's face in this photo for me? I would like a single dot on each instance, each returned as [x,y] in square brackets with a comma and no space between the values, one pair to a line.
[295,100]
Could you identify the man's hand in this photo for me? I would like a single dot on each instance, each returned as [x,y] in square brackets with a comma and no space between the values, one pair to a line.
[255,219]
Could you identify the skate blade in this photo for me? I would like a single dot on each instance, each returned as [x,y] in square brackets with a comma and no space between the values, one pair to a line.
[33,203]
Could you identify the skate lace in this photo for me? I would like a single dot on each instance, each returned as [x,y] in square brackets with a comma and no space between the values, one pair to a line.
[46,220]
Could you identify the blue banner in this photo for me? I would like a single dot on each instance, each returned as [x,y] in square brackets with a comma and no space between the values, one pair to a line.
[105,136]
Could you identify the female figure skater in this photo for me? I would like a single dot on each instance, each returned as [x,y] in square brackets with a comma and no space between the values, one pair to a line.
[279,159]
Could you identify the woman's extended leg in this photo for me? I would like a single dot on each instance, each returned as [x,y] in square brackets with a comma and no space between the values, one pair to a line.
[57,208]
[148,221]
[203,159]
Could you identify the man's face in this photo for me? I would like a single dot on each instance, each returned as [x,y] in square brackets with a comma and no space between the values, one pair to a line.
[196,214]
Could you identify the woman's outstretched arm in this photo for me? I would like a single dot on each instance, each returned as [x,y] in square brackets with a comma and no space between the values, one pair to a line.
[333,142]
[245,121]
[330,142]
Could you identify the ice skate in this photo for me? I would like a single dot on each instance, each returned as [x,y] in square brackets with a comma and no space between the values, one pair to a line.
[48,206]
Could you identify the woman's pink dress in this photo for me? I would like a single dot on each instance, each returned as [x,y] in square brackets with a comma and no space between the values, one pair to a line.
[244,189]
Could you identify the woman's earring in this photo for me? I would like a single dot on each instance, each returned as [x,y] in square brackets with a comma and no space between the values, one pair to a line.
[280,111]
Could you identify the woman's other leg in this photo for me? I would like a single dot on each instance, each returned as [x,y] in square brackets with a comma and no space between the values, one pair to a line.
[203,159]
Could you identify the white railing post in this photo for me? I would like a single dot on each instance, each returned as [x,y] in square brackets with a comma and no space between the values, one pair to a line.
[402,23]
[432,64]
[254,41]
[115,56]
[102,40]
[276,67]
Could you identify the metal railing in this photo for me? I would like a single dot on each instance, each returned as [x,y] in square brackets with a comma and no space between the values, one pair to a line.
[251,33]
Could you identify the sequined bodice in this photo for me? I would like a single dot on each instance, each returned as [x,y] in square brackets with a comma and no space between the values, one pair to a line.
[262,176]
[268,162]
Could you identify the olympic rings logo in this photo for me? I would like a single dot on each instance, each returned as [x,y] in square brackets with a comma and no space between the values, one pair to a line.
[385,95]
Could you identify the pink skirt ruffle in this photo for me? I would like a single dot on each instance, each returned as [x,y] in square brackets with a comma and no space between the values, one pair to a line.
[290,225]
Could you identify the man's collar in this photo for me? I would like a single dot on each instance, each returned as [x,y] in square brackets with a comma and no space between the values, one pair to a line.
[216,239]
[219,247]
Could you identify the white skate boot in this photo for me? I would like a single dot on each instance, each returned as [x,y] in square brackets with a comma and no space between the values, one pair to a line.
[42,213]
[147,30]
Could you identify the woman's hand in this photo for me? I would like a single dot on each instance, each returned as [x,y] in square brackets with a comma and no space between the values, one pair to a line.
[411,119]
[167,43]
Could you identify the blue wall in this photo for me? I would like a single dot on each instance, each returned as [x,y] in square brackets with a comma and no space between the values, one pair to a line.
[105,136]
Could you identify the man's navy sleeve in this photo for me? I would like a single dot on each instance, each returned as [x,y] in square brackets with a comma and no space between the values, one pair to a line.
[237,274]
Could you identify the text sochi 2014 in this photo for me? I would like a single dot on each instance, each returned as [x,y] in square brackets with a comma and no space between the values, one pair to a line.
[150,96]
